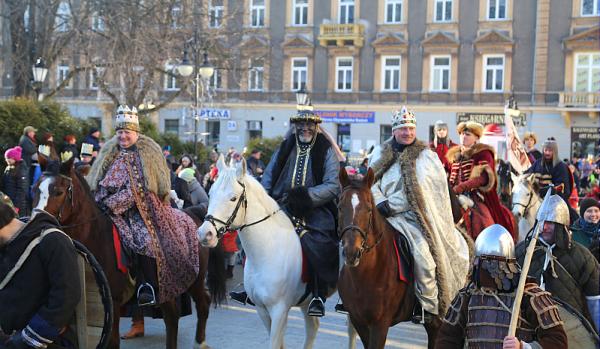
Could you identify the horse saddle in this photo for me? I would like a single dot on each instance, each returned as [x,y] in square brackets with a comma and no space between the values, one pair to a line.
[404,258]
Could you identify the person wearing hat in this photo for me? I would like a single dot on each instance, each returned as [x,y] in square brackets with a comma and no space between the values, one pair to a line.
[303,177]
[566,269]
[473,179]
[530,140]
[586,230]
[549,169]
[442,143]
[130,182]
[15,179]
[93,138]
[39,281]
[481,312]
[411,191]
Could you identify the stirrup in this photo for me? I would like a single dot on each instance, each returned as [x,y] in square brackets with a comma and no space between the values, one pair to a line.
[145,301]
[316,307]
[340,308]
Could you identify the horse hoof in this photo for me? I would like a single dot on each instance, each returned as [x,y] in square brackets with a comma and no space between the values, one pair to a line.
[203,345]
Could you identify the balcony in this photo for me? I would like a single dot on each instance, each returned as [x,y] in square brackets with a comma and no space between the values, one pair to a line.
[342,35]
[584,101]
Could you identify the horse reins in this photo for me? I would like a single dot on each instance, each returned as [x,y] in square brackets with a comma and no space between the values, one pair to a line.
[364,246]
[227,224]
[69,193]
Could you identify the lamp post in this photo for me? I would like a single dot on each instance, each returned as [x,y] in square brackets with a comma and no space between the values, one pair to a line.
[203,73]
[39,75]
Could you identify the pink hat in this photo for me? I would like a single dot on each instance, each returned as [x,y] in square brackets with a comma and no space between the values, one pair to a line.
[13,153]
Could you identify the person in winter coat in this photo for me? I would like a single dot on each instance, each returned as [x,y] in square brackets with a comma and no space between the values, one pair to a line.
[93,138]
[586,230]
[15,179]
[196,194]
[71,145]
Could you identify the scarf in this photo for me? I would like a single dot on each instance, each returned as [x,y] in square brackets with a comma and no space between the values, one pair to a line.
[588,228]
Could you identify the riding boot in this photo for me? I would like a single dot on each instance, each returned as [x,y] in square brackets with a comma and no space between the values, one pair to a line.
[421,316]
[146,295]
[316,307]
[241,297]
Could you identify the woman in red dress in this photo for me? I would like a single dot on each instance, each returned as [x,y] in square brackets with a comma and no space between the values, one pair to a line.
[473,176]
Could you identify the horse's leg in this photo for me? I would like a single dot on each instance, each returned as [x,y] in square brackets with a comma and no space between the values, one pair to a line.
[378,335]
[114,342]
[265,317]
[432,329]
[363,333]
[202,302]
[311,326]
[171,317]
[279,316]
[351,334]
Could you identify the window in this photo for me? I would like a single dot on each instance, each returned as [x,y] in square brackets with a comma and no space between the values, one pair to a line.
[587,72]
[176,16]
[62,71]
[299,73]
[590,7]
[343,76]
[346,11]
[170,79]
[63,16]
[393,11]
[213,128]
[256,75]
[440,73]
[172,126]
[97,22]
[26,19]
[254,129]
[215,81]
[257,13]
[300,12]
[385,133]
[93,79]
[443,10]
[215,14]
[390,76]
[496,9]
[493,73]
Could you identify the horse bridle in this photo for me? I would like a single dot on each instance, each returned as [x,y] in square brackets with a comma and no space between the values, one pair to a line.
[526,206]
[242,200]
[364,246]
[69,193]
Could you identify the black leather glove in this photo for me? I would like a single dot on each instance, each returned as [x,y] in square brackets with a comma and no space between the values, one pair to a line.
[15,342]
[384,208]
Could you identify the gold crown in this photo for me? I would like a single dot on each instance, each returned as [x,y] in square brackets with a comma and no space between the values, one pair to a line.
[127,119]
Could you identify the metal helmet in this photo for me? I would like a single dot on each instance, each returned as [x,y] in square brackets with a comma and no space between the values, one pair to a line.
[495,240]
[554,209]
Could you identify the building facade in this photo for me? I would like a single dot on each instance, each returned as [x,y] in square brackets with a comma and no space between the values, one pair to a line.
[447,60]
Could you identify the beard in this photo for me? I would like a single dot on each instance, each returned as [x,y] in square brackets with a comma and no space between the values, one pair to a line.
[305,137]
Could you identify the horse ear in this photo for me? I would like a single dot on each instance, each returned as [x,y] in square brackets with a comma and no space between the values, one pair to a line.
[241,168]
[42,160]
[221,165]
[370,178]
[343,175]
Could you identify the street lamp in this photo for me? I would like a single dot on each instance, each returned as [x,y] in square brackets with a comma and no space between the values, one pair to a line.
[39,75]
[203,73]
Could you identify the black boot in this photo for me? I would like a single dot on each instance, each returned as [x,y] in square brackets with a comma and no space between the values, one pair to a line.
[241,297]
[145,295]
[316,307]
[421,316]
[339,308]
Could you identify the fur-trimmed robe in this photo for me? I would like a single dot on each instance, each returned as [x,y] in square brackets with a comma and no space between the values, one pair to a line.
[479,162]
[414,183]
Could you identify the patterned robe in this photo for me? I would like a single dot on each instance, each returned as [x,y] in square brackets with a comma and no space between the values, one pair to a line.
[171,237]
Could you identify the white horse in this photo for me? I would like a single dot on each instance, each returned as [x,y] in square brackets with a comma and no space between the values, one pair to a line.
[525,203]
[272,273]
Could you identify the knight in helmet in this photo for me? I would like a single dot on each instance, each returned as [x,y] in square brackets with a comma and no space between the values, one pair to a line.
[561,266]
[303,177]
[480,314]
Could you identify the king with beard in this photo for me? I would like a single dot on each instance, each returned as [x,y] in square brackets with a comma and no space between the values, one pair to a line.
[303,177]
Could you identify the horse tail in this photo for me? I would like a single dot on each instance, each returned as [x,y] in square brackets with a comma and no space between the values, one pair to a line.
[216,274]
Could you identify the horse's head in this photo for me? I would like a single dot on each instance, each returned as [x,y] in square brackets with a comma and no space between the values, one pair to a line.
[227,198]
[356,210]
[523,193]
[53,192]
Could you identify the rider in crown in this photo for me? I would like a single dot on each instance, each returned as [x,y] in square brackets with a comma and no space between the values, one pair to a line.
[303,177]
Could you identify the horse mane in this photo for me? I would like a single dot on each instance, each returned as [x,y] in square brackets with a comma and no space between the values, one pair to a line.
[86,187]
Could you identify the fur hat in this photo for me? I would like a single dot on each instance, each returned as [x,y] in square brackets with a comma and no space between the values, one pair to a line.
[403,118]
[440,125]
[471,126]
[127,119]
[587,203]
[530,135]
[14,153]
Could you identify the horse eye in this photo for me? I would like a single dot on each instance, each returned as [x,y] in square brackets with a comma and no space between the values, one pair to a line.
[233,199]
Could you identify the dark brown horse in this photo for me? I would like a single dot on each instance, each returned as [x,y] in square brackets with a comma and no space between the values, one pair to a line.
[70,200]
[369,285]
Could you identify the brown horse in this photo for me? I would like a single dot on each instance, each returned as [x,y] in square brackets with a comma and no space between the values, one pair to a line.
[71,202]
[369,285]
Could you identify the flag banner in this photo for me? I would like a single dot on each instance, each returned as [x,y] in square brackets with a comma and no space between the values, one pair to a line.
[517,156]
